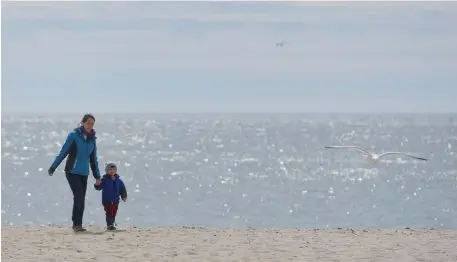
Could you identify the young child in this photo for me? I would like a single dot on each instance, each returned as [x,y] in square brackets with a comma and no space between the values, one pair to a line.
[112,187]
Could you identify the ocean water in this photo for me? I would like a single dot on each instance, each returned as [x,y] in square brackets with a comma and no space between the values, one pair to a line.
[241,170]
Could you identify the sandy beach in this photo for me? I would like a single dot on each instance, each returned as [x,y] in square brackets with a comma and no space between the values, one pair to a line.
[204,244]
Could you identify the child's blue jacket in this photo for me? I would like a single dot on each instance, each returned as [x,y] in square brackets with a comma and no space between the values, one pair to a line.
[112,188]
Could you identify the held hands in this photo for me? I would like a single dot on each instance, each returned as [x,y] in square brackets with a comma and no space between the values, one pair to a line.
[124,199]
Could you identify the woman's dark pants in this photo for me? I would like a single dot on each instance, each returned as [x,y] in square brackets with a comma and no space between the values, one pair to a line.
[78,185]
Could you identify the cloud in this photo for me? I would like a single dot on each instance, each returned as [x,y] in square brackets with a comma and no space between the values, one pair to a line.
[231,50]
[323,38]
[226,12]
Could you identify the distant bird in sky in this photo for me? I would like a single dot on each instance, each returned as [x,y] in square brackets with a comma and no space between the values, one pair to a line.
[375,157]
[281,44]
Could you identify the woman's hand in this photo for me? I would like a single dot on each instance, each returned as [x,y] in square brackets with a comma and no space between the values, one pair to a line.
[51,171]
[98,182]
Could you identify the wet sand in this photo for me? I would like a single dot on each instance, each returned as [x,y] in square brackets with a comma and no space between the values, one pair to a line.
[206,244]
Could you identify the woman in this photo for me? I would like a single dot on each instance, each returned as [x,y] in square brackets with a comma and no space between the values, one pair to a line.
[81,149]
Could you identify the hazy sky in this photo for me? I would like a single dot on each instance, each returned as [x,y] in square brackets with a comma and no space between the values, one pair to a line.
[221,56]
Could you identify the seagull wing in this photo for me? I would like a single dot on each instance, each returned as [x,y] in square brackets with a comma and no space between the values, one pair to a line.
[403,154]
[355,147]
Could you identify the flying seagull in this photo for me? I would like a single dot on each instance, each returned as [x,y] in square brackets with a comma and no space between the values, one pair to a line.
[374,157]
[281,44]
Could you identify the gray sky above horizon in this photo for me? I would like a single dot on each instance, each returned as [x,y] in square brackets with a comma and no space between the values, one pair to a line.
[221,56]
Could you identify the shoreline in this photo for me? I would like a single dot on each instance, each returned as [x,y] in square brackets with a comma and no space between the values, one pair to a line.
[187,243]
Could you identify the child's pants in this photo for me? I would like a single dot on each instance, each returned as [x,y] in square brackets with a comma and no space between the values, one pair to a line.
[110,211]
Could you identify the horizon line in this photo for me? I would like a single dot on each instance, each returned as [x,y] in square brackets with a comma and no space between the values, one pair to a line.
[231,113]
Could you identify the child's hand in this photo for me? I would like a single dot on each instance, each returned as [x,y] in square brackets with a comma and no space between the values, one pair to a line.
[124,199]
[97,187]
